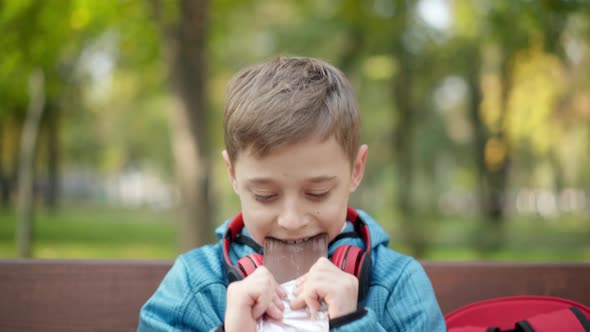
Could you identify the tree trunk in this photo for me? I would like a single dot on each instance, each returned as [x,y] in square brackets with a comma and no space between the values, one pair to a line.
[497,178]
[348,63]
[479,133]
[13,173]
[186,54]
[25,198]
[52,189]
[404,150]
[4,186]
[403,143]
[492,181]
[405,106]
[404,146]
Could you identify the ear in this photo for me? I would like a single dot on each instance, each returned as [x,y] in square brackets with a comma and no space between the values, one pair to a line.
[230,170]
[358,168]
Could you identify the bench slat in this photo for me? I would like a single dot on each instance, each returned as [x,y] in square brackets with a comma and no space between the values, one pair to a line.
[459,283]
[81,295]
[75,295]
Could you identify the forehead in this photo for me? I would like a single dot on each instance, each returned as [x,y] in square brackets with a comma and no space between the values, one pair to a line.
[313,160]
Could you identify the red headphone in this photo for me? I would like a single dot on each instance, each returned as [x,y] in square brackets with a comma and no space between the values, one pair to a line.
[348,258]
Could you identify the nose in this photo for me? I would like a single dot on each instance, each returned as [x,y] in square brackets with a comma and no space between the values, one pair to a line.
[292,218]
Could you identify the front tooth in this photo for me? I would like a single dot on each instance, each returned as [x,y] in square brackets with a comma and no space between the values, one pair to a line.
[297,241]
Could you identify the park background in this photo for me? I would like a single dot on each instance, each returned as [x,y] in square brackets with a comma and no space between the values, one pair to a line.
[476,113]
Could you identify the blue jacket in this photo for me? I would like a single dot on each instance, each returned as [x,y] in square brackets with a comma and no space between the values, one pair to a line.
[192,296]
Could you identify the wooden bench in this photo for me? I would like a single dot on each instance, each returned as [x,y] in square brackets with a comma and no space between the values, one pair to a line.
[63,295]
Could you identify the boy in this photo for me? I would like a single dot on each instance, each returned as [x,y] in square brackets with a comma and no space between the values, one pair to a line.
[293,157]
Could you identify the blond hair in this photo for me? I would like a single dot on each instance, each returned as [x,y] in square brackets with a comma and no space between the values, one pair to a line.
[287,101]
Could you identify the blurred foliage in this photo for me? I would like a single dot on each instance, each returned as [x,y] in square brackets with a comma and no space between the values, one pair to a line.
[464,103]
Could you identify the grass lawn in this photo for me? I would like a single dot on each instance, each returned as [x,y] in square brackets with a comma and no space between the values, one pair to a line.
[93,232]
[523,239]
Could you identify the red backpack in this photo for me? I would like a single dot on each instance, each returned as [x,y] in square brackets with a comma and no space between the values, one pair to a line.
[520,314]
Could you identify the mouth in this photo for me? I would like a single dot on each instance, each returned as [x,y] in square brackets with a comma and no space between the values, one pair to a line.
[297,240]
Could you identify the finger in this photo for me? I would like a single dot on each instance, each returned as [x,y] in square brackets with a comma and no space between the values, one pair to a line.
[274,312]
[297,304]
[262,292]
[299,284]
[298,289]
[281,292]
[301,280]
[310,300]
[279,303]
[314,303]
[321,264]
[259,308]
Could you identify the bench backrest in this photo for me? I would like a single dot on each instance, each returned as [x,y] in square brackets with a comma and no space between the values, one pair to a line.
[50,295]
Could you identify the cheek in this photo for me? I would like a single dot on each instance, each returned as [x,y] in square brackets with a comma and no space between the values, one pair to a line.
[332,219]
[257,222]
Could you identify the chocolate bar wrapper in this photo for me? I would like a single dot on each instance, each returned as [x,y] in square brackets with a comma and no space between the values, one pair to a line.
[295,320]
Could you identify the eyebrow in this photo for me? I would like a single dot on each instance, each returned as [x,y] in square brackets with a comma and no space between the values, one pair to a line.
[323,178]
[259,181]
[267,181]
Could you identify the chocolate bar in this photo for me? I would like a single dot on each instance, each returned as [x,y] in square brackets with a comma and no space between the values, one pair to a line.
[288,261]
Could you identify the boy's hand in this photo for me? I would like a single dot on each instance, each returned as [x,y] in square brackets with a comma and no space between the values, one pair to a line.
[250,298]
[326,282]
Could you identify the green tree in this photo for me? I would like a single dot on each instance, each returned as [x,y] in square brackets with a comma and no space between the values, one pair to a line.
[184,31]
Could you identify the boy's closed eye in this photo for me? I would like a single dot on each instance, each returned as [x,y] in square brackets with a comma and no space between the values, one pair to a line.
[317,196]
[265,198]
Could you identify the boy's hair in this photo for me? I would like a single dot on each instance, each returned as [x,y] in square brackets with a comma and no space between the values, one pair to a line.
[286,101]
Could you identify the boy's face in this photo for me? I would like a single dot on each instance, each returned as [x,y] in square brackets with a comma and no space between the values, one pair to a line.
[297,191]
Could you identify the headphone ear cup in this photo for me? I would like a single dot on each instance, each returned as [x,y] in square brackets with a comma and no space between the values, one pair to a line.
[339,256]
[353,260]
[249,263]
[364,274]
[348,258]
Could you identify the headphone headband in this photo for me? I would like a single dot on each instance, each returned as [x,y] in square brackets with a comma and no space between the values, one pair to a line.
[233,229]
[359,226]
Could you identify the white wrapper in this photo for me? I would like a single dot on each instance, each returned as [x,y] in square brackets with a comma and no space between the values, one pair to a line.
[295,320]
